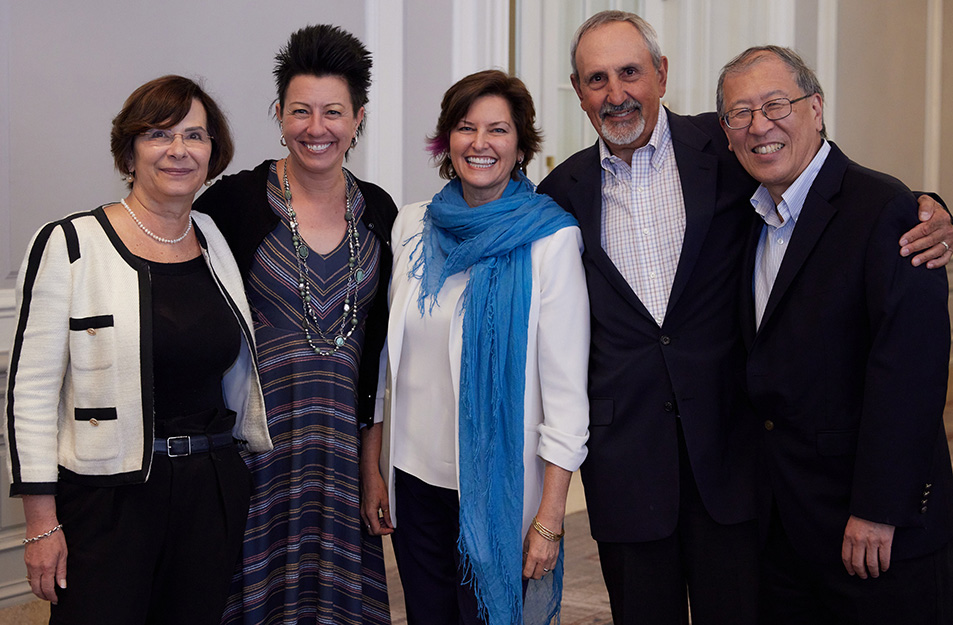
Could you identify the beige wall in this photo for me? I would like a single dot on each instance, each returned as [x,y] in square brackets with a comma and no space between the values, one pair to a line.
[881,88]
[881,84]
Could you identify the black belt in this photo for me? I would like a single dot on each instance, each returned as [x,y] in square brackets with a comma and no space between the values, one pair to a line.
[175,446]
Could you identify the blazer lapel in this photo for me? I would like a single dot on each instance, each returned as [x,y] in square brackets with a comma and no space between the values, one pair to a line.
[697,172]
[815,215]
[747,292]
[586,199]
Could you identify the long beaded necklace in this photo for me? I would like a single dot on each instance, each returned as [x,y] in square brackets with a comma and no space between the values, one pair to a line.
[153,234]
[348,322]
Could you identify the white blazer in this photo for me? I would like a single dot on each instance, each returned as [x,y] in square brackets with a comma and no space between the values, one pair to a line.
[556,407]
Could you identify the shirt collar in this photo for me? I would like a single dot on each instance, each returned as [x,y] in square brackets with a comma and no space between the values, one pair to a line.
[660,139]
[792,200]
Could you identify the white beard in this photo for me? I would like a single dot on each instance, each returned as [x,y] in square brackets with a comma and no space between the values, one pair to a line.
[622,133]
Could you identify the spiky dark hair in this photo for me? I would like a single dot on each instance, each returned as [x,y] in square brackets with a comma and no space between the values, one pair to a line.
[325,50]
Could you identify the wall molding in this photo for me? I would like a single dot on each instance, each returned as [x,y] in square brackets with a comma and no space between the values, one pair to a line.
[8,265]
[481,36]
[7,319]
[827,60]
[384,134]
[933,100]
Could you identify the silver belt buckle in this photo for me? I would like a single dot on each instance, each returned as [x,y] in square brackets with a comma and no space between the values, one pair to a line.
[168,446]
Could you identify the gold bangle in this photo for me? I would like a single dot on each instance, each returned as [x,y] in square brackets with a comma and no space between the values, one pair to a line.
[547,533]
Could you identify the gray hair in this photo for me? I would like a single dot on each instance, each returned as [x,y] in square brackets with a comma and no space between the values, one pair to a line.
[606,17]
[804,76]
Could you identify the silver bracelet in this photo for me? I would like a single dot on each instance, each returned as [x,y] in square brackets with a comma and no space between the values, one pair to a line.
[27,541]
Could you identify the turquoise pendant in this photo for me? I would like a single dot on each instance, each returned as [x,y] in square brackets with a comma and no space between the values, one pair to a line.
[303,251]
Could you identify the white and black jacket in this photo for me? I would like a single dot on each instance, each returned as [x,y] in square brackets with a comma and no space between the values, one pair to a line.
[79,391]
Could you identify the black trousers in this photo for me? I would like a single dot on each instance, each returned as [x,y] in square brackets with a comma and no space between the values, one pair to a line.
[715,565]
[155,553]
[917,591]
[425,547]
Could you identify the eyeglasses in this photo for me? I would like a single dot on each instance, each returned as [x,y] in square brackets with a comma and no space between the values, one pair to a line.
[162,137]
[774,110]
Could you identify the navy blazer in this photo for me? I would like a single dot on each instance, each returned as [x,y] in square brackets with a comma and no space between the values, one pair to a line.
[642,376]
[848,370]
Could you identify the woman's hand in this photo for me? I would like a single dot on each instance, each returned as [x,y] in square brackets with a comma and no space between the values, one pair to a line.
[539,555]
[375,507]
[45,558]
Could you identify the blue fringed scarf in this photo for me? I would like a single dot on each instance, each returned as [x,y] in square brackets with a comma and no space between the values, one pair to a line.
[492,240]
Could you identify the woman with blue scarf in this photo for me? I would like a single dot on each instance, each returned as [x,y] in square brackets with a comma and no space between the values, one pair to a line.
[488,344]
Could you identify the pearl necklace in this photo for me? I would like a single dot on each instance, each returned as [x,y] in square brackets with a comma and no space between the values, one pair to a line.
[354,276]
[153,234]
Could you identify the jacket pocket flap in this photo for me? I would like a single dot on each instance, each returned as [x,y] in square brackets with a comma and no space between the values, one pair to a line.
[837,442]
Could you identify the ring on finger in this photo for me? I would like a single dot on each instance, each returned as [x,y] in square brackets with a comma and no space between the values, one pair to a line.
[946,245]
[546,570]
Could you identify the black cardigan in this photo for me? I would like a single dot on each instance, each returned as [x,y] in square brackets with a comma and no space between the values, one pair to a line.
[239,205]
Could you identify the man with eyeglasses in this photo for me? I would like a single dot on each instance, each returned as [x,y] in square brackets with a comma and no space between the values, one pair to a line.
[663,208]
[848,353]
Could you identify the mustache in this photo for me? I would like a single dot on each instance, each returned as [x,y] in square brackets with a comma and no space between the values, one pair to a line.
[626,107]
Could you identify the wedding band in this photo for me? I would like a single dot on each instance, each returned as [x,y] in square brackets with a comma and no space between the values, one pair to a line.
[946,245]
[546,570]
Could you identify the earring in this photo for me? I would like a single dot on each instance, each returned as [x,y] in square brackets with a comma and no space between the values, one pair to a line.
[354,142]
[129,178]
[282,141]
[208,182]
[281,133]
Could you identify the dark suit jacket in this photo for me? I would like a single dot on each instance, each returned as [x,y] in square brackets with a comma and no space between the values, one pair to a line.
[641,377]
[850,368]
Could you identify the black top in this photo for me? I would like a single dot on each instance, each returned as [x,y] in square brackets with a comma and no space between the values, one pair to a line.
[196,338]
[239,205]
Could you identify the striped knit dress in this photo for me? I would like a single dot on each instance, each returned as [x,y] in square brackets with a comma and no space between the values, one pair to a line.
[305,558]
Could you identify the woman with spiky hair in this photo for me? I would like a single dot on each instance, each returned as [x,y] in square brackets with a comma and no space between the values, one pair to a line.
[312,243]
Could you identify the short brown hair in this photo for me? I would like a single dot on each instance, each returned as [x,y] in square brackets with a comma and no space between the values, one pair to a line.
[163,103]
[460,97]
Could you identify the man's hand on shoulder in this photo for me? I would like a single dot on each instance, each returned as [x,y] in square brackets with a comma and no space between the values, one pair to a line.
[932,237]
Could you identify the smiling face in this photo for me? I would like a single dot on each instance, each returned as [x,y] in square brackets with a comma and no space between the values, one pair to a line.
[483,149]
[773,152]
[618,86]
[318,122]
[171,172]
